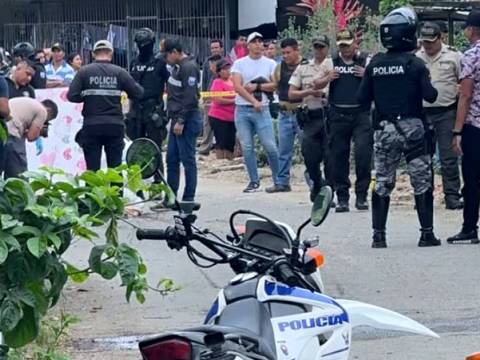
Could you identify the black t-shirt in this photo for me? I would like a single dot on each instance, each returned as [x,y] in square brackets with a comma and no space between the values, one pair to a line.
[22,91]
[152,74]
[3,88]
[39,79]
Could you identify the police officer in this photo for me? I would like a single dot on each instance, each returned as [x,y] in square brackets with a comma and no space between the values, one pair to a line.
[309,82]
[185,117]
[99,86]
[24,51]
[349,120]
[444,65]
[397,81]
[146,117]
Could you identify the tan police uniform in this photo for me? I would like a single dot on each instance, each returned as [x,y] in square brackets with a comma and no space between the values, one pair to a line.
[445,73]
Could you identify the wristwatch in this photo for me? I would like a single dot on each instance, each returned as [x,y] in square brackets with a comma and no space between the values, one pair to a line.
[457,132]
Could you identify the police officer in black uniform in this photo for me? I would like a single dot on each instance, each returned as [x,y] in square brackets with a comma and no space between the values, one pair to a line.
[183,111]
[24,51]
[99,86]
[397,81]
[349,121]
[146,117]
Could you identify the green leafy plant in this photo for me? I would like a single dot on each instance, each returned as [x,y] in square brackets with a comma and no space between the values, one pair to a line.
[48,345]
[40,215]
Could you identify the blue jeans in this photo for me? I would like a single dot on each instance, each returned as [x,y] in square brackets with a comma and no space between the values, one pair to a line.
[181,149]
[249,122]
[287,129]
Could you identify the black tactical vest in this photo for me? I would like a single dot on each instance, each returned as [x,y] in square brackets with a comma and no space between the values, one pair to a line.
[286,72]
[343,91]
[396,91]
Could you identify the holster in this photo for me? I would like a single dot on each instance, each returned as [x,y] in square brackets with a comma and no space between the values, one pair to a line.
[303,116]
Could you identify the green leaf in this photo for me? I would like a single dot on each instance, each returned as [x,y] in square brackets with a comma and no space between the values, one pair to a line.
[24,295]
[20,188]
[37,245]
[3,134]
[109,270]
[112,232]
[8,221]
[52,171]
[114,177]
[92,179]
[3,251]
[76,275]
[95,258]
[10,315]
[142,269]
[41,300]
[55,240]
[10,240]
[26,330]
[64,186]
[140,297]
[29,230]
[128,262]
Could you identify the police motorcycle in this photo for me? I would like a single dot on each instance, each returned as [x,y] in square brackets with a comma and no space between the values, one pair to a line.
[271,309]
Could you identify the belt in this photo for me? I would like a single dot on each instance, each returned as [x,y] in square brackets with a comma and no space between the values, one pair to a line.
[350,110]
[288,108]
[435,110]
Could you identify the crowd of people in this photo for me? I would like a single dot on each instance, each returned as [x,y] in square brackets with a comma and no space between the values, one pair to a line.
[425,97]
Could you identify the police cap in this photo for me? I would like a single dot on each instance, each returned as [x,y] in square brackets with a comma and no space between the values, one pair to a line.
[430,32]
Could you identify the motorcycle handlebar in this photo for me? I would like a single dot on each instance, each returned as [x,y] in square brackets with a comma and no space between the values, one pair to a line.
[287,274]
[152,234]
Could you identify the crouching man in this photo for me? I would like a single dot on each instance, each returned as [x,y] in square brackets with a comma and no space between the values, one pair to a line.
[29,119]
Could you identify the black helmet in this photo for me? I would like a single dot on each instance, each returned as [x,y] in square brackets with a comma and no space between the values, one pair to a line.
[398,31]
[144,37]
[24,50]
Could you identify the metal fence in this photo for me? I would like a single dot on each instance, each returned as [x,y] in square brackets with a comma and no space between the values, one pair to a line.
[78,24]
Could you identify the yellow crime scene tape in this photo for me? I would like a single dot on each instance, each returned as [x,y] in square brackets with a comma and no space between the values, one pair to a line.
[214,94]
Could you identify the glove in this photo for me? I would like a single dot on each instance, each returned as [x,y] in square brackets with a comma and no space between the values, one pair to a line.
[39,146]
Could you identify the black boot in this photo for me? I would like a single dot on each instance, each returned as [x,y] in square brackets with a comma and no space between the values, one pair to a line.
[380,205]
[424,205]
[465,236]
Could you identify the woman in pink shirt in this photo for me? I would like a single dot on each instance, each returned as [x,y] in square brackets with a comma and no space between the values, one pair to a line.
[222,111]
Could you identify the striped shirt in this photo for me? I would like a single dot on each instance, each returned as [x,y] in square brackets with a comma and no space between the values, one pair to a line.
[64,73]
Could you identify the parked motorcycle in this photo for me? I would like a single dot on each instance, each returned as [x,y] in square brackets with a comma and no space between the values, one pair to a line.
[273,308]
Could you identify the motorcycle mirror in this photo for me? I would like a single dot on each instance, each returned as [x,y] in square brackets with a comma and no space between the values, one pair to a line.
[146,154]
[321,205]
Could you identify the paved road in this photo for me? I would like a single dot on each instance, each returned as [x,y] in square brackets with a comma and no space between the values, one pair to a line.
[439,287]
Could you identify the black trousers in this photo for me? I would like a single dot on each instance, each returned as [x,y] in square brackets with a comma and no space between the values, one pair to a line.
[347,125]
[471,176]
[95,138]
[315,151]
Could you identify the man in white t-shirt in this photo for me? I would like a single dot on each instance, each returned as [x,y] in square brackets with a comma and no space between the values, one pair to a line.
[253,82]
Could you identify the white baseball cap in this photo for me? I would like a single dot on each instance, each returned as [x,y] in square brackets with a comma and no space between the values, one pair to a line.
[253,36]
[103,45]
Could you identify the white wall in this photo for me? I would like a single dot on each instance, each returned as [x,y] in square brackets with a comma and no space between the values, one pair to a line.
[252,13]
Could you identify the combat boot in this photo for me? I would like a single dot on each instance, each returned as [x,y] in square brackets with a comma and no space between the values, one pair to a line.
[380,205]
[424,205]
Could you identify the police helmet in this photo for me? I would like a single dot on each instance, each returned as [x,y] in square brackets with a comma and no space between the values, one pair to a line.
[398,31]
[144,37]
[23,50]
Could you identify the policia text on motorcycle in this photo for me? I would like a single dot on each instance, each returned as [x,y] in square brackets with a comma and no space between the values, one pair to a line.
[348,120]
[398,122]
[99,86]
[146,117]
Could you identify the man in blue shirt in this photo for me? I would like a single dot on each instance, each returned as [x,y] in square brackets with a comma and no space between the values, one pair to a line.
[59,73]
